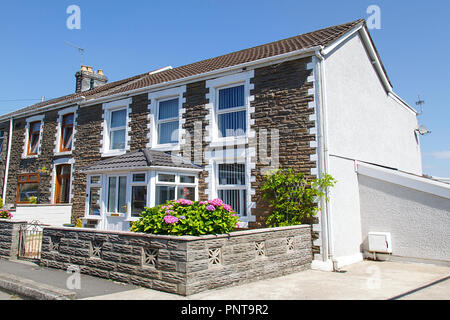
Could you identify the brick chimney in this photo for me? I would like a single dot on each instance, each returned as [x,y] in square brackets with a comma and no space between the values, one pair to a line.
[87,79]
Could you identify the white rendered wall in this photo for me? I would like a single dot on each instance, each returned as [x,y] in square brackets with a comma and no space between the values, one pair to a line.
[419,222]
[54,215]
[364,123]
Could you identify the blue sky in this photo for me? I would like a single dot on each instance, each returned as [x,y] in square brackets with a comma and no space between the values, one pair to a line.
[125,38]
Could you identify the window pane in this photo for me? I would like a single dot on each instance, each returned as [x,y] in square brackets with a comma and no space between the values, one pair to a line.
[68,119]
[236,199]
[27,190]
[2,133]
[122,205]
[112,194]
[32,177]
[67,138]
[231,97]
[94,201]
[65,188]
[164,193]
[138,200]
[232,124]
[95,180]
[164,177]
[168,109]
[139,177]
[186,193]
[65,169]
[34,143]
[187,179]
[118,118]
[36,126]
[233,174]
[117,139]
[168,132]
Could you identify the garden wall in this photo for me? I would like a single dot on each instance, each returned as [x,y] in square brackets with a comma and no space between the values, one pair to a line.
[180,264]
[9,238]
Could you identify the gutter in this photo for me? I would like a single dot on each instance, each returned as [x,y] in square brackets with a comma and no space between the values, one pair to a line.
[8,157]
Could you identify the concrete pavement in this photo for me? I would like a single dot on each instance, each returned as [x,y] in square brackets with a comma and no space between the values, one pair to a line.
[374,280]
[365,280]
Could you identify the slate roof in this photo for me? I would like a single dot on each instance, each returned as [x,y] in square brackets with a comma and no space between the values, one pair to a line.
[141,158]
[321,37]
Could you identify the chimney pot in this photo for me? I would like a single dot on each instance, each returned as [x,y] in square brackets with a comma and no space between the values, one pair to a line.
[87,79]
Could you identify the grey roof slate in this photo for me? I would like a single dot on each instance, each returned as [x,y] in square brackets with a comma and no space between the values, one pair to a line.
[141,158]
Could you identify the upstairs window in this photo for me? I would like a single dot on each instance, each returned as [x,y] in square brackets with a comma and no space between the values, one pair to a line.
[117,129]
[167,125]
[34,134]
[231,112]
[66,132]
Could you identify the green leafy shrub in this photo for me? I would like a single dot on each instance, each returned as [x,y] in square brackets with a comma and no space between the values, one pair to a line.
[185,217]
[32,200]
[5,214]
[1,203]
[292,197]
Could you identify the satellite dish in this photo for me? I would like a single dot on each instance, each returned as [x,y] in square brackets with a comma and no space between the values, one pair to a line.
[423,130]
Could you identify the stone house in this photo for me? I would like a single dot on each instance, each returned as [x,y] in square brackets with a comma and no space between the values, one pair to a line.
[317,102]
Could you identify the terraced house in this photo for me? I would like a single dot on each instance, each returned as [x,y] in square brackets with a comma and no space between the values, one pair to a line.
[319,102]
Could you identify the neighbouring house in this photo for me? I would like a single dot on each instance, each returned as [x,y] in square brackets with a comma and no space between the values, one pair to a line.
[320,102]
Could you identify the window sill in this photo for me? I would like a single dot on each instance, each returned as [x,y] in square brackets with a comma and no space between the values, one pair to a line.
[63,153]
[31,156]
[166,147]
[229,142]
[113,153]
[92,218]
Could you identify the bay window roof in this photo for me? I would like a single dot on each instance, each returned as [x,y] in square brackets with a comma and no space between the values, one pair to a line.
[141,159]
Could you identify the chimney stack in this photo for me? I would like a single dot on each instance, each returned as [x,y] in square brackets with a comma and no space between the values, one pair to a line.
[87,79]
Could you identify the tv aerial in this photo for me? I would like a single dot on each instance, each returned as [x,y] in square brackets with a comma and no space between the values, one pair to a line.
[80,50]
[420,103]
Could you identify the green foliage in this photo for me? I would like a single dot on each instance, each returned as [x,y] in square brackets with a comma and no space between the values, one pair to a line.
[292,197]
[32,200]
[1,203]
[184,217]
[79,223]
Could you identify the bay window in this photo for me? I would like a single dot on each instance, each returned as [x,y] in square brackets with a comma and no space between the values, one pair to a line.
[173,186]
[231,186]
[138,194]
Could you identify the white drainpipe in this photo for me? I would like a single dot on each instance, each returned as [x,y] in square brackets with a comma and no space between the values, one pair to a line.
[327,241]
[8,156]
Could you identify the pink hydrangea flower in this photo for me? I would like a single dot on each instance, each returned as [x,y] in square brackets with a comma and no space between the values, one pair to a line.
[170,219]
[216,202]
[210,208]
[234,215]
[227,207]
[202,202]
[185,202]
[169,212]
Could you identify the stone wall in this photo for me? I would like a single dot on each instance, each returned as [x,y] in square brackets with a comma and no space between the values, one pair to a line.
[9,238]
[183,265]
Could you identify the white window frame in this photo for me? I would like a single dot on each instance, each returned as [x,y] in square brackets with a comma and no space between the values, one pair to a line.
[59,132]
[155,98]
[177,184]
[137,184]
[2,141]
[108,109]
[89,185]
[234,80]
[233,186]
[39,118]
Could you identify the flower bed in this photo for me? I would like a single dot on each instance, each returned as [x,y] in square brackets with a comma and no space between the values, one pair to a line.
[186,217]
[5,214]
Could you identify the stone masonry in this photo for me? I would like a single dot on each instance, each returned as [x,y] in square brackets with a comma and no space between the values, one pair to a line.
[9,238]
[183,265]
